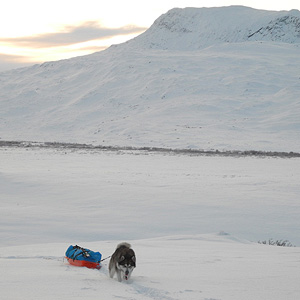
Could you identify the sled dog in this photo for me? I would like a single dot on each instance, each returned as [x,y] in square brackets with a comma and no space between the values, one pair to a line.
[122,262]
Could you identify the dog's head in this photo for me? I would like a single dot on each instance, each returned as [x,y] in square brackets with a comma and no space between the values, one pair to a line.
[127,263]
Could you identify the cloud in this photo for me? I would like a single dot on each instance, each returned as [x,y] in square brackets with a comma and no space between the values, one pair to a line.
[8,62]
[8,58]
[69,35]
[84,38]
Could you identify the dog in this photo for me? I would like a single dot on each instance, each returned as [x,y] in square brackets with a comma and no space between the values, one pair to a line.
[122,262]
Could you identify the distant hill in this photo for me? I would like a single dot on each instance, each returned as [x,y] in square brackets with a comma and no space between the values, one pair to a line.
[200,78]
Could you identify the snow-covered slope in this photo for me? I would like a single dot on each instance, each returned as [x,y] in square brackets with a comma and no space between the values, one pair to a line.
[238,89]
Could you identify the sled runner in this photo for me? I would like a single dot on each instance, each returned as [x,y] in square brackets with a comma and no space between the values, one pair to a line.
[82,257]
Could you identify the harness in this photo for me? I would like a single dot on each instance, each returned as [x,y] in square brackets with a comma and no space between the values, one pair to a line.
[105,258]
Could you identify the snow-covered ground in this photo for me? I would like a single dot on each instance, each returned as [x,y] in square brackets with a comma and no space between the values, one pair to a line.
[194,222]
[197,267]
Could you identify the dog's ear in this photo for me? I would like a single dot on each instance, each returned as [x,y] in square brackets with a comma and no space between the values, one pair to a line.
[121,258]
[133,258]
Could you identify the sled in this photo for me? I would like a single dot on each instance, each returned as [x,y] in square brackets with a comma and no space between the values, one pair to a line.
[84,263]
[82,257]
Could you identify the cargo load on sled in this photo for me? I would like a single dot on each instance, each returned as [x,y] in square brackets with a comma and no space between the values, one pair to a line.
[82,257]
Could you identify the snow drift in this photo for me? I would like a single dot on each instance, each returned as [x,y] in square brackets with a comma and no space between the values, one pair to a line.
[217,78]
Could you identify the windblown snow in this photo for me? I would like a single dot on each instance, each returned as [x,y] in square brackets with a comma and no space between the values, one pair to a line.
[200,78]
[210,78]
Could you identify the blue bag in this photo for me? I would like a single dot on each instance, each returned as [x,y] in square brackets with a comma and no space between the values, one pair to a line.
[79,253]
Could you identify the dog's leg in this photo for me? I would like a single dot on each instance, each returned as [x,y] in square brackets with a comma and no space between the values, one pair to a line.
[119,275]
[112,272]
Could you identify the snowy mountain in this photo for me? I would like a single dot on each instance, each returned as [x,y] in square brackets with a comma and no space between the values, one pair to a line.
[193,29]
[204,78]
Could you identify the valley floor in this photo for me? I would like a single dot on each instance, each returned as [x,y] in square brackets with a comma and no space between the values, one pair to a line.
[194,222]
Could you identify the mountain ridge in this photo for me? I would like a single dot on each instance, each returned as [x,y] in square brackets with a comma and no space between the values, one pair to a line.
[196,28]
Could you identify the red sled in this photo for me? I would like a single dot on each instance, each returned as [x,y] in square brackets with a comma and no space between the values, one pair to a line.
[83,257]
[84,263]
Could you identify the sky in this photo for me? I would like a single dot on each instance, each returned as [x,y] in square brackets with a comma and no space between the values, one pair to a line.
[35,31]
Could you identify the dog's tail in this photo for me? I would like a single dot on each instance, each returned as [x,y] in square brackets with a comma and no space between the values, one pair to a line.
[124,244]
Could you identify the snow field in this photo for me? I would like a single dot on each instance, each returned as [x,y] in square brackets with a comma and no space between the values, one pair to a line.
[175,210]
[208,266]
[132,196]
